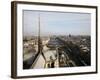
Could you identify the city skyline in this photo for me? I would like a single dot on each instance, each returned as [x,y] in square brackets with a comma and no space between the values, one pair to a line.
[56,23]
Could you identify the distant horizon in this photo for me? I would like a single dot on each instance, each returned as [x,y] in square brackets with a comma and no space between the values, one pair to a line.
[54,35]
[55,23]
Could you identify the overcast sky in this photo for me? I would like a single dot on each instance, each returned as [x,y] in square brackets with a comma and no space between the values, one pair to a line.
[57,23]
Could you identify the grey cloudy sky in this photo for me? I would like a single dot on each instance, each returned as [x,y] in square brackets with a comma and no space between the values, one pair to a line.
[57,23]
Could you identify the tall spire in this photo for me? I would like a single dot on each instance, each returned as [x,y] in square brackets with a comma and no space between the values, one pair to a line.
[39,32]
[39,25]
[40,46]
